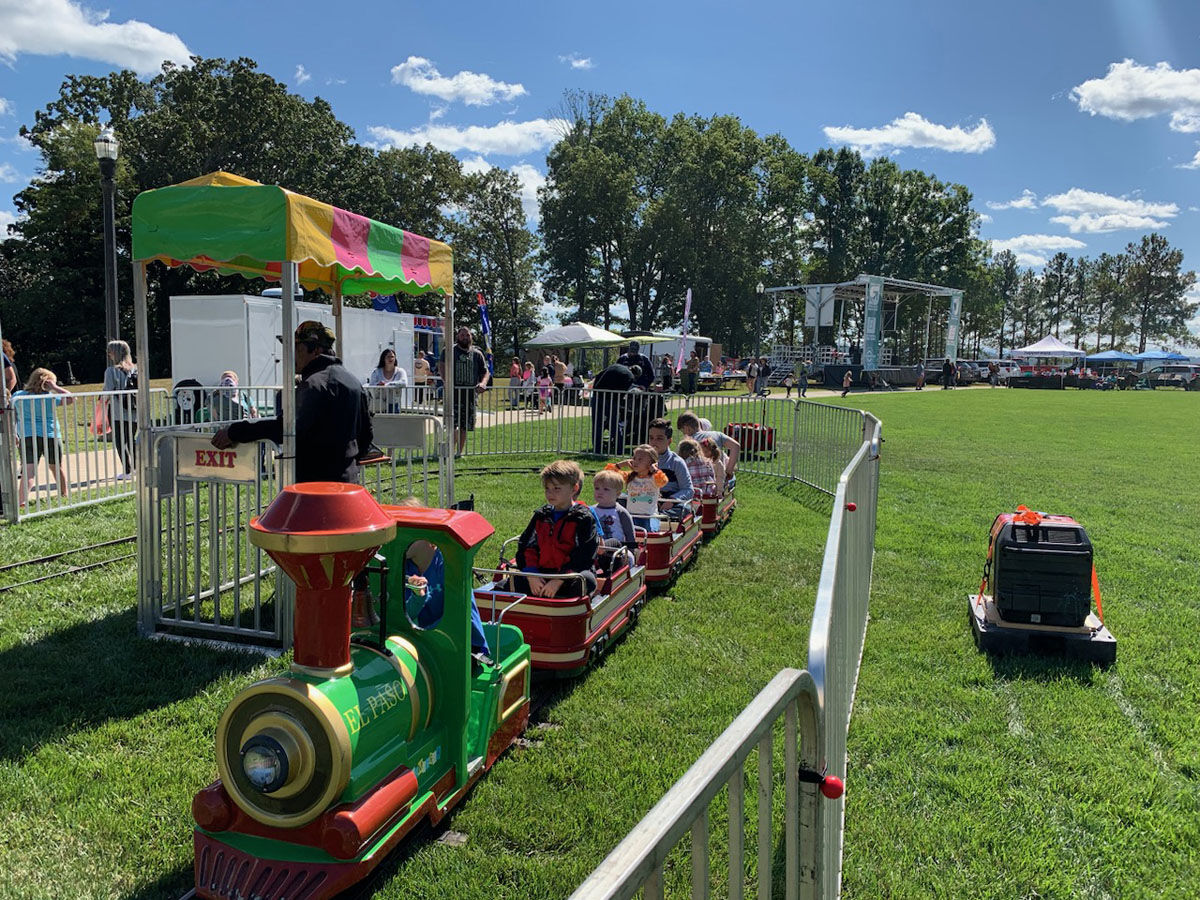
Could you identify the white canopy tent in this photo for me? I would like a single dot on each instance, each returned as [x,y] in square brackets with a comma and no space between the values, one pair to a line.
[1049,347]
[576,335]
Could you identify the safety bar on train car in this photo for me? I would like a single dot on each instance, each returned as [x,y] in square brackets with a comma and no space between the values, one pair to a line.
[519,597]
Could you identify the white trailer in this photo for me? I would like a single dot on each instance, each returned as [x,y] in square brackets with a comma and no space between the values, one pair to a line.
[210,334]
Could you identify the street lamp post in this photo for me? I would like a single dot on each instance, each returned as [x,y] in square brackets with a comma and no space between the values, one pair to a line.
[107,147]
[758,289]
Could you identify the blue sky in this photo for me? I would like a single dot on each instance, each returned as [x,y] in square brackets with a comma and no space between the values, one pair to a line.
[1076,125]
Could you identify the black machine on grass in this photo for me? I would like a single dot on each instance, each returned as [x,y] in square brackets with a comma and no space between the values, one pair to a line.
[1043,576]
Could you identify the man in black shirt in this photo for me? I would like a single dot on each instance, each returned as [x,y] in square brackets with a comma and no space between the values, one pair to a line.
[333,427]
[634,357]
[608,405]
[333,423]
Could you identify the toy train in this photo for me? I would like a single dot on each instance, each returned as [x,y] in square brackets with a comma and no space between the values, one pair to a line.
[324,772]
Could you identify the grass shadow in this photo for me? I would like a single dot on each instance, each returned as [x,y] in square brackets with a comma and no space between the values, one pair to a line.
[86,674]
[1046,668]
[171,885]
[796,491]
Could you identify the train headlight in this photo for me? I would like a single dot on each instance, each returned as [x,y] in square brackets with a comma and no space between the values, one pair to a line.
[265,763]
[283,752]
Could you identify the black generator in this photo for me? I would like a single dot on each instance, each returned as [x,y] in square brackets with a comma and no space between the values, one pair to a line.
[1041,569]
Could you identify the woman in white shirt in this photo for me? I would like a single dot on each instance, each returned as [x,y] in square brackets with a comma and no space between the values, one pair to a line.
[388,374]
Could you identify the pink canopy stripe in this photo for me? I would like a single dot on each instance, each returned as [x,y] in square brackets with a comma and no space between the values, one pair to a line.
[349,236]
[415,258]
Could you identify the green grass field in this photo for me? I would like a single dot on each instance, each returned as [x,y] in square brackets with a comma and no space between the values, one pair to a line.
[968,777]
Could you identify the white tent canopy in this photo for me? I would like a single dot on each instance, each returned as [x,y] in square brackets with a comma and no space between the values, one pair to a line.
[577,334]
[1049,346]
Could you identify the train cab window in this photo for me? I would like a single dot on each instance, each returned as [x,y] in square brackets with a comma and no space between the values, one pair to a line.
[424,584]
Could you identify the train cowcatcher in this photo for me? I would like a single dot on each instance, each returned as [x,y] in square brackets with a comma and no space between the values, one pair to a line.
[325,770]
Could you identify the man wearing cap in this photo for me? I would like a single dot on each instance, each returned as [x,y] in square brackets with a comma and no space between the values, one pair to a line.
[333,424]
[470,379]
[634,357]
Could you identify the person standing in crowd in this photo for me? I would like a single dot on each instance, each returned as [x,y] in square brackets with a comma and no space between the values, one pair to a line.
[751,376]
[993,373]
[37,424]
[608,408]
[391,376]
[691,374]
[948,374]
[470,379]
[333,427]
[229,403]
[920,376]
[633,356]
[560,378]
[121,375]
[666,372]
[514,383]
[421,373]
[529,385]
[10,370]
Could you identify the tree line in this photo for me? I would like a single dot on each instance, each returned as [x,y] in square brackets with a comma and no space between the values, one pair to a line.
[636,208]
[225,114]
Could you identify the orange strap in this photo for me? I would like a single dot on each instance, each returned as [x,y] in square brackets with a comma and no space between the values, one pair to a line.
[1096,593]
[1027,516]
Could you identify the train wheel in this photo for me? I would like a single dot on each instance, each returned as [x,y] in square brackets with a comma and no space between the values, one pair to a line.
[597,650]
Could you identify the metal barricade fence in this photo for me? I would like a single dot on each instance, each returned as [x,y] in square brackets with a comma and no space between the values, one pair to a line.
[799,440]
[815,704]
[840,625]
[200,576]
[73,450]
[638,862]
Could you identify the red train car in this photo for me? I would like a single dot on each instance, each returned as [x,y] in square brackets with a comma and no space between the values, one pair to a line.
[715,512]
[567,634]
[668,551]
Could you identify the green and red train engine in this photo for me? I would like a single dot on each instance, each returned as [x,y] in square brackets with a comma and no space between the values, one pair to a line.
[324,771]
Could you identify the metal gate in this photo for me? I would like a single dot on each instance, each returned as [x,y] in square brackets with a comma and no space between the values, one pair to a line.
[200,577]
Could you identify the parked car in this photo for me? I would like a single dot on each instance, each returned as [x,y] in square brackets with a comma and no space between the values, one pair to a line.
[1007,368]
[1180,375]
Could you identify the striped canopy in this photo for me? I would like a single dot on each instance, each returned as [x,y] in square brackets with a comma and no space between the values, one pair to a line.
[234,225]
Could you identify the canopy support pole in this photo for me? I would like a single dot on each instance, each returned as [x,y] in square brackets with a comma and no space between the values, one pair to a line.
[340,350]
[147,465]
[287,461]
[448,385]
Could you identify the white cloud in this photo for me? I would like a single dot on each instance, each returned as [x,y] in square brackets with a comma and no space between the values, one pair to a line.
[6,219]
[472,88]
[1089,223]
[1096,213]
[575,61]
[1194,164]
[54,27]
[8,174]
[437,112]
[504,138]
[1031,249]
[912,130]
[529,177]
[1027,200]
[19,141]
[301,75]
[985,218]
[1130,91]
[6,107]
[329,81]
